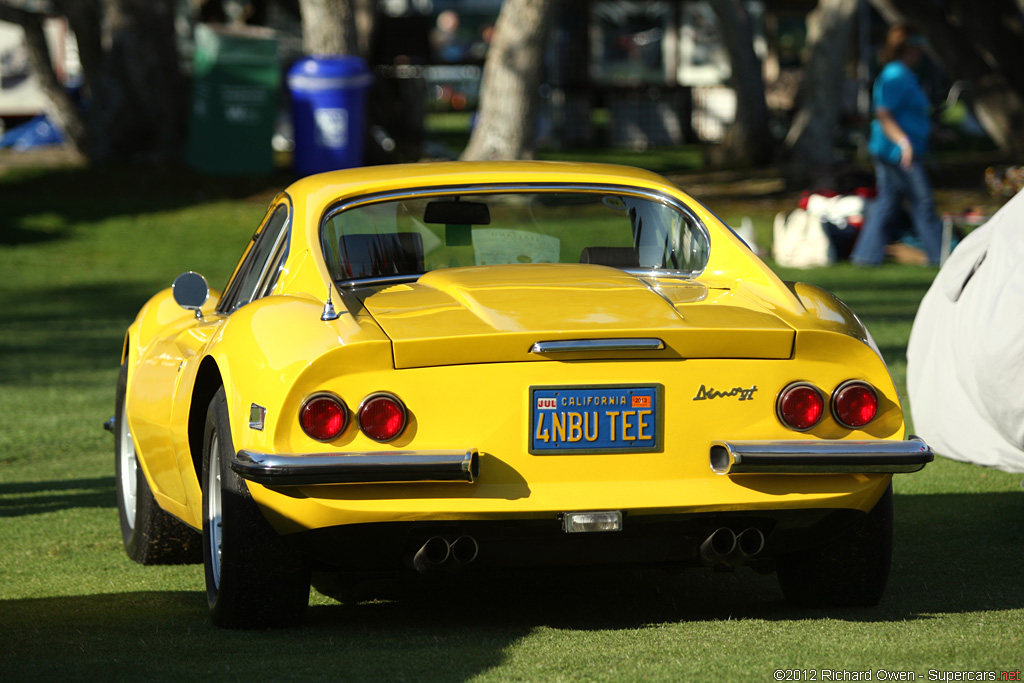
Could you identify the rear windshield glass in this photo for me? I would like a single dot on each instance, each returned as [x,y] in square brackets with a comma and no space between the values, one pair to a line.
[416,234]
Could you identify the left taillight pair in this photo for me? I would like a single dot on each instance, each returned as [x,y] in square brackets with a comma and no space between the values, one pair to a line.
[381,416]
[802,405]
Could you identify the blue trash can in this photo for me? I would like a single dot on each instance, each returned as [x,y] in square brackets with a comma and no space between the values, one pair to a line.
[328,112]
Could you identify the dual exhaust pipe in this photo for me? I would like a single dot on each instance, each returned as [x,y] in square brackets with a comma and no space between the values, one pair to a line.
[440,553]
[725,547]
[722,547]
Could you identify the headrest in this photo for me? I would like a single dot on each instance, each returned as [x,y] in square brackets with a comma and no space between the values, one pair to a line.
[375,255]
[616,257]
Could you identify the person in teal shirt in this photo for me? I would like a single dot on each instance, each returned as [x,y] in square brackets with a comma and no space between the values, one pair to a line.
[898,145]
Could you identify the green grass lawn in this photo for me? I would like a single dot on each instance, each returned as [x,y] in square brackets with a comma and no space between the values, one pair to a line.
[80,251]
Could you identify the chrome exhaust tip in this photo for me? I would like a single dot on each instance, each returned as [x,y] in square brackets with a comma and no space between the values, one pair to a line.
[435,551]
[464,550]
[749,543]
[718,546]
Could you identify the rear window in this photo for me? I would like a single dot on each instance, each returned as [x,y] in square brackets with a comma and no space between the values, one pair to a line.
[415,234]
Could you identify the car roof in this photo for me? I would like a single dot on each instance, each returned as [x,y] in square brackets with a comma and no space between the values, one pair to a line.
[323,189]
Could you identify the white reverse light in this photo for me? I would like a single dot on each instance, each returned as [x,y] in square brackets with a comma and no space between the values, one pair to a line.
[583,522]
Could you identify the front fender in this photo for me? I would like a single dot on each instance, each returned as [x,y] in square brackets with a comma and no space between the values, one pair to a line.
[160,317]
[157,346]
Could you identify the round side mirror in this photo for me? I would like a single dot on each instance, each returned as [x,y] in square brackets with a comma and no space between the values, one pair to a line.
[190,291]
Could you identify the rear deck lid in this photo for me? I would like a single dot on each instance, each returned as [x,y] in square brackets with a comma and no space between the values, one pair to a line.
[491,314]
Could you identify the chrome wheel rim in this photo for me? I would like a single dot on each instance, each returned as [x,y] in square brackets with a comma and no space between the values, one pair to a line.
[129,470]
[214,514]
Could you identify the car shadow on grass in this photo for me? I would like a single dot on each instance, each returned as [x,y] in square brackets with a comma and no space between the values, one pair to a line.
[955,553]
[155,635]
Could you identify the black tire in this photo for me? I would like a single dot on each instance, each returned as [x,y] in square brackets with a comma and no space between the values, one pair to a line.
[253,579]
[150,535]
[850,570]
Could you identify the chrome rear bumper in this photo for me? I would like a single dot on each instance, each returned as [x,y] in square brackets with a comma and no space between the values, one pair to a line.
[819,457]
[275,469]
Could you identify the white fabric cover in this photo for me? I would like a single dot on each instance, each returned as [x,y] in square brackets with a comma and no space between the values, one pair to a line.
[965,360]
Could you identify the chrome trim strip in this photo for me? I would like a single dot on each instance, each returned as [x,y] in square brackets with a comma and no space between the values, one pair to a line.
[282,245]
[571,345]
[819,457]
[380,280]
[291,469]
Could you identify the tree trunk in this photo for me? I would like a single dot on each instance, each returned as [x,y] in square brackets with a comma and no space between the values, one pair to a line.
[1000,112]
[85,18]
[366,26]
[137,102]
[505,126]
[978,42]
[811,138]
[62,111]
[328,27]
[748,140]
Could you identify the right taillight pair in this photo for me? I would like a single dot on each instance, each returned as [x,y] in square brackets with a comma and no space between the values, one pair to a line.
[802,405]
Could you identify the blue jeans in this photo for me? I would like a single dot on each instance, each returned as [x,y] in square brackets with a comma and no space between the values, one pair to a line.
[895,185]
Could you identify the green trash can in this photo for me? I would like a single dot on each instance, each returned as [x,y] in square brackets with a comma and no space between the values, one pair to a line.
[236,78]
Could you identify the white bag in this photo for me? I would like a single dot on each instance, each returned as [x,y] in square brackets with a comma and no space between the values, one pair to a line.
[799,241]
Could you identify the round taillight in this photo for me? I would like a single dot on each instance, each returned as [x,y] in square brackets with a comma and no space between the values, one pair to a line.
[800,406]
[854,404]
[382,417]
[323,417]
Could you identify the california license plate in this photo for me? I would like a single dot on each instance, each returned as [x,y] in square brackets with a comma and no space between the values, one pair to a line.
[611,418]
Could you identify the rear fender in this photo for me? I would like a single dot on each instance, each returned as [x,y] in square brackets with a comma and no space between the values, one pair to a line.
[831,333]
[274,352]
[830,313]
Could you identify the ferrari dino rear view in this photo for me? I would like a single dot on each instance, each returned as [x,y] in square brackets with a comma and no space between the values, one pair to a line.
[461,367]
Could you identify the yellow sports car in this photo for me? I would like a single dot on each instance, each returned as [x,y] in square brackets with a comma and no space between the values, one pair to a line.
[462,366]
